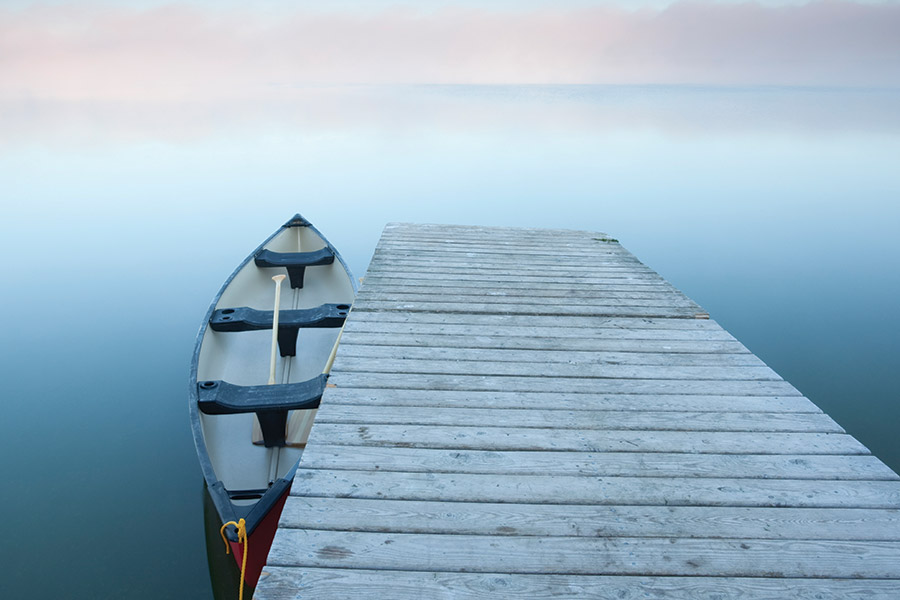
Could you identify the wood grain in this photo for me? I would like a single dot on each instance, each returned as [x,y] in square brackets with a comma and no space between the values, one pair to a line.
[585,556]
[597,464]
[567,520]
[281,583]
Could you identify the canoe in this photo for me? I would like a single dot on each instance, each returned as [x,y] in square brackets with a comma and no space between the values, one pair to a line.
[250,434]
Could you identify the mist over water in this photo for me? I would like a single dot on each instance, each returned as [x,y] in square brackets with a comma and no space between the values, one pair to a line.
[776,209]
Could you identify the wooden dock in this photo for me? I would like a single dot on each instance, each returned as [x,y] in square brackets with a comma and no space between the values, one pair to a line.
[536,414]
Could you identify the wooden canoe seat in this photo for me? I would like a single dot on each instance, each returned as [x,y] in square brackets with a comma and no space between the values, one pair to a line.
[271,403]
[289,321]
[294,262]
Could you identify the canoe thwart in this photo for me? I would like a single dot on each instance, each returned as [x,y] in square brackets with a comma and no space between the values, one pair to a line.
[223,398]
[294,262]
[271,403]
[289,321]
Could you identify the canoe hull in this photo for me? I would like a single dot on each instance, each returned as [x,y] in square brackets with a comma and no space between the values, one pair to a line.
[260,541]
[246,478]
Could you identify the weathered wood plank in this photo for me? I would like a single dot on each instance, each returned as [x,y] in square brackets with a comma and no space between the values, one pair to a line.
[486,231]
[405,324]
[449,267]
[504,383]
[280,583]
[386,262]
[522,239]
[386,283]
[464,293]
[574,249]
[542,332]
[584,440]
[556,371]
[561,250]
[572,357]
[465,233]
[573,246]
[549,489]
[579,419]
[511,261]
[528,309]
[475,518]
[596,464]
[506,255]
[635,279]
[515,321]
[394,245]
[408,337]
[509,254]
[587,556]
[385,397]
[525,299]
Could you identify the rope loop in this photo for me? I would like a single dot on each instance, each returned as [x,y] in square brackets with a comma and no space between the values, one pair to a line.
[242,539]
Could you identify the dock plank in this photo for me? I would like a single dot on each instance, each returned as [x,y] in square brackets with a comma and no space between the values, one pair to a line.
[282,583]
[549,489]
[402,336]
[531,413]
[517,322]
[580,419]
[586,556]
[576,299]
[557,371]
[550,401]
[598,464]
[442,381]
[511,308]
[568,520]
[585,440]
[637,356]
[547,334]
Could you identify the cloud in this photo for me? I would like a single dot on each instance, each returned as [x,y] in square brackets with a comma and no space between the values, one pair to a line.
[182,52]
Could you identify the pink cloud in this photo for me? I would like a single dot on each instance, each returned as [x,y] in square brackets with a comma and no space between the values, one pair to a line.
[181,53]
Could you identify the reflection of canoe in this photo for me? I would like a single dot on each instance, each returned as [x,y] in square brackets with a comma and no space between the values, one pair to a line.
[250,435]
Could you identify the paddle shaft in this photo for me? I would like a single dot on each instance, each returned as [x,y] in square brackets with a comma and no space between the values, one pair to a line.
[273,357]
[334,349]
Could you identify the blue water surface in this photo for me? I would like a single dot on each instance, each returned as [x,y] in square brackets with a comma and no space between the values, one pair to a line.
[777,209]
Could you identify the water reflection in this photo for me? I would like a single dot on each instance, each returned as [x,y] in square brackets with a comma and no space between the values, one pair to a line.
[775,209]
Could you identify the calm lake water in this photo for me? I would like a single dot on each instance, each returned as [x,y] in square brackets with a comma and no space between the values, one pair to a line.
[776,209]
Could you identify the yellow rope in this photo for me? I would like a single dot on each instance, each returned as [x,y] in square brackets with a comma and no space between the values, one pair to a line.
[242,539]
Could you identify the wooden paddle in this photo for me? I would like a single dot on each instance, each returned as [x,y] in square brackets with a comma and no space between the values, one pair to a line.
[301,421]
[334,349]
[257,437]
[277,279]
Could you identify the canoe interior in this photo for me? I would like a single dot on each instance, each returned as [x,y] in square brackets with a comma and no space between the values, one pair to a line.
[242,358]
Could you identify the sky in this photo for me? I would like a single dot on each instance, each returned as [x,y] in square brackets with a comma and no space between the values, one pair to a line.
[192,49]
